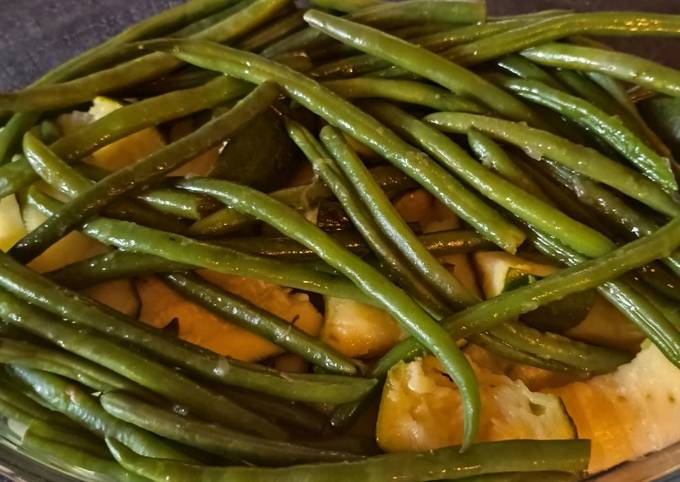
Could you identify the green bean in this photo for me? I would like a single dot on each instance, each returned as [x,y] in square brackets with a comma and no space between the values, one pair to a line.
[75,437]
[537,143]
[389,15]
[273,31]
[283,411]
[303,197]
[669,307]
[609,129]
[598,23]
[402,91]
[436,41]
[521,67]
[249,316]
[345,116]
[177,203]
[143,173]
[40,358]
[137,70]
[533,210]
[211,20]
[614,209]
[494,157]
[122,122]
[573,354]
[14,405]
[72,183]
[213,438]
[662,280]
[179,249]
[487,458]
[626,67]
[123,264]
[99,56]
[392,224]
[67,457]
[84,409]
[346,6]
[390,257]
[70,305]
[584,274]
[422,62]
[137,368]
[370,280]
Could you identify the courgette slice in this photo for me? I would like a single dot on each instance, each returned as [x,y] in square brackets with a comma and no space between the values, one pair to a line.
[421,410]
[357,330]
[628,413]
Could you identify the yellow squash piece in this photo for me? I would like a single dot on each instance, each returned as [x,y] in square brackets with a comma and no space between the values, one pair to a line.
[628,413]
[12,227]
[118,154]
[73,247]
[161,305]
[495,269]
[358,330]
[421,410]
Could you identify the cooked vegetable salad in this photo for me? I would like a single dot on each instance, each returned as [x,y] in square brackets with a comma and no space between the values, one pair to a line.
[366,240]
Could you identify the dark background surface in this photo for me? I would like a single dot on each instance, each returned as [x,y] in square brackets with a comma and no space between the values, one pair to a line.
[36,35]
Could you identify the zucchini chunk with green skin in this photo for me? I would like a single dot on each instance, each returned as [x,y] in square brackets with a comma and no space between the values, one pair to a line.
[358,330]
[628,413]
[161,305]
[260,155]
[420,410]
[500,272]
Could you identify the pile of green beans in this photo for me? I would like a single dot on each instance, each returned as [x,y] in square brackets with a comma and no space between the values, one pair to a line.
[517,134]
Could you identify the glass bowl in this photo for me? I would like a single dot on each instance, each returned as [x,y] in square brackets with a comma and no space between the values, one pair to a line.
[39,34]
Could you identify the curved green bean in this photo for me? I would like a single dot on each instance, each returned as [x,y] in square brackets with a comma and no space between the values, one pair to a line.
[16,404]
[75,437]
[408,91]
[392,224]
[249,316]
[137,70]
[521,67]
[494,157]
[596,23]
[422,62]
[389,255]
[70,305]
[531,209]
[213,438]
[584,274]
[537,143]
[72,401]
[122,122]
[389,15]
[623,294]
[143,173]
[26,354]
[346,6]
[345,116]
[609,129]
[370,280]
[487,458]
[626,67]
